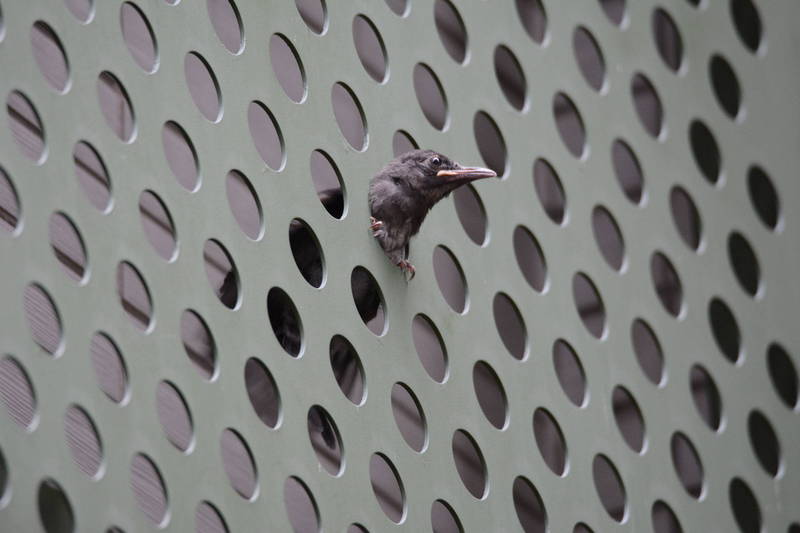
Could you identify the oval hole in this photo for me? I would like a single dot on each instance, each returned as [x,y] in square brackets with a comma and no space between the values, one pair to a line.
[227,23]
[203,86]
[369,47]
[783,374]
[68,246]
[409,417]
[262,390]
[668,39]
[369,301]
[399,7]
[139,37]
[44,319]
[510,325]
[744,506]
[430,348]
[55,510]
[550,441]
[549,190]
[307,252]
[347,369]
[17,393]
[533,18]
[10,209]
[648,351]
[725,330]
[222,274]
[266,135]
[451,29]
[207,519]
[609,488]
[744,263]
[285,321]
[705,150]
[287,67]
[83,440]
[158,225]
[314,13]
[49,55]
[569,371]
[747,22]
[199,343]
[115,104]
[300,506]
[349,116]
[328,183]
[666,283]
[238,463]
[664,519]
[3,479]
[615,10]
[471,213]
[629,418]
[726,85]
[83,10]
[511,77]
[528,504]
[569,124]
[686,217]
[402,142]
[627,170]
[109,367]
[647,104]
[431,96]
[589,57]
[490,394]
[490,142]
[181,155]
[387,487]
[687,464]
[244,204]
[763,196]
[149,490]
[470,464]
[26,127]
[764,442]
[608,237]
[706,397]
[450,279]
[174,415]
[325,440]
[444,519]
[589,304]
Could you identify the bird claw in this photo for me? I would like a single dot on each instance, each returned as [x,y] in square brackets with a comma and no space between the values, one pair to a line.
[407,268]
[375,224]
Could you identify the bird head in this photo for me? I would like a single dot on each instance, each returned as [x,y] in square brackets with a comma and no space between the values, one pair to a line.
[433,175]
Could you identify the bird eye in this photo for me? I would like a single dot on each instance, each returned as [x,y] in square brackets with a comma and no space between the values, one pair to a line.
[436,161]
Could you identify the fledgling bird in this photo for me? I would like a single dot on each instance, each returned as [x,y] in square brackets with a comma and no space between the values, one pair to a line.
[403,192]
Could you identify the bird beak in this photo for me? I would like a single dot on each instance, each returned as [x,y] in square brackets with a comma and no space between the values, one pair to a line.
[465,174]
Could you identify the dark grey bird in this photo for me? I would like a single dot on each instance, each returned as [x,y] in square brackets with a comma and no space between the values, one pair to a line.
[400,196]
[403,192]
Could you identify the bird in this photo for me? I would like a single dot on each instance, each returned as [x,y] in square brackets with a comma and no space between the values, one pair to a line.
[403,192]
[400,196]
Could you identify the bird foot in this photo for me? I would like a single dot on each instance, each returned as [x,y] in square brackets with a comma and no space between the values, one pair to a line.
[407,268]
[375,224]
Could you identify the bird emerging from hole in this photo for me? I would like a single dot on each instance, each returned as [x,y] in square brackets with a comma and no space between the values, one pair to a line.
[403,192]
[400,196]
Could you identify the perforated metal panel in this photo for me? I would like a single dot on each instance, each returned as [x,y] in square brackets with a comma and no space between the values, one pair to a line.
[604,339]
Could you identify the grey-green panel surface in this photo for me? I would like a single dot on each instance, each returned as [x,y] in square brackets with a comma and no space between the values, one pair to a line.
[764,133]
